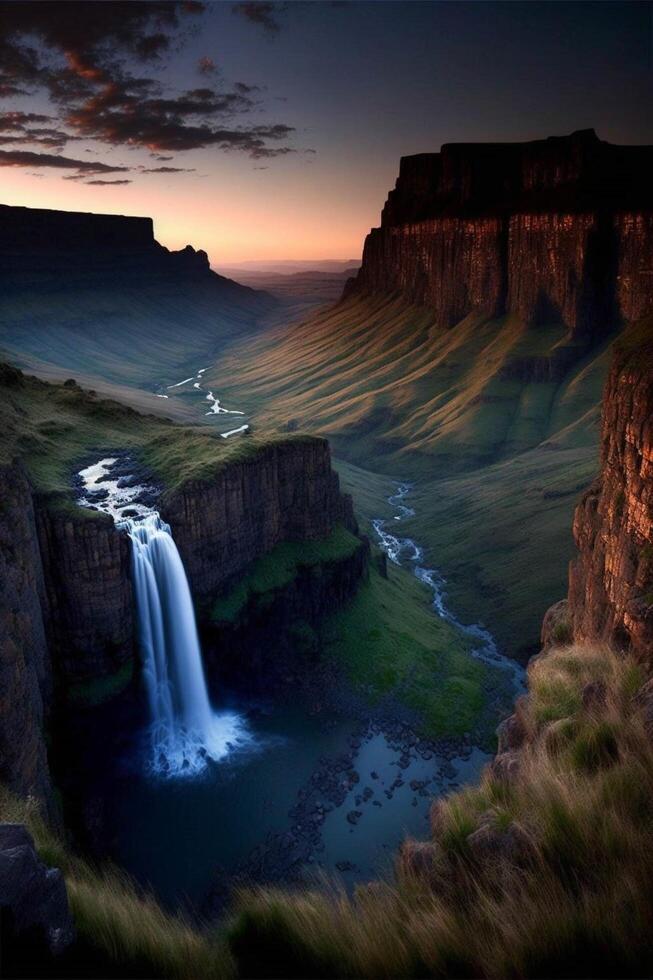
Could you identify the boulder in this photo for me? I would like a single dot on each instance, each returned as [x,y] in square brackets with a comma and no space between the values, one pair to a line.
[33,900]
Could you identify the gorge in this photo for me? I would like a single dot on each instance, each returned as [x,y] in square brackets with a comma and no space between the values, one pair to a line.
[232,664]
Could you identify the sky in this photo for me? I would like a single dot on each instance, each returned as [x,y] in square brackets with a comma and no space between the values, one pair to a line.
[261,131]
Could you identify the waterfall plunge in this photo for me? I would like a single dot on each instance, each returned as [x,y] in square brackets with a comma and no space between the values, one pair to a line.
[185,732]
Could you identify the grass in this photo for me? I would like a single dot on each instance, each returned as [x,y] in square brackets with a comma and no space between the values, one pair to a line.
[129,334]
[389,643]
[279,567]
[546,874]
[498,462]
[91,693]
[52,428]
[120,928]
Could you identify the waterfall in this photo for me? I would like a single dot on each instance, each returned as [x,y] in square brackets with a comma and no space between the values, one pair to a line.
[186,732]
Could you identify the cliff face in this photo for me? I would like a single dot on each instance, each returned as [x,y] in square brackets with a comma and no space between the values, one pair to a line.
[66,248]
[66,601]
[274,637]
[286,492]
[25,673]
[557,230]
[87,567]
[611,581]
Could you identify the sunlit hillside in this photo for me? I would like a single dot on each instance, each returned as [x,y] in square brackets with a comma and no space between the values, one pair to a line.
[496,456]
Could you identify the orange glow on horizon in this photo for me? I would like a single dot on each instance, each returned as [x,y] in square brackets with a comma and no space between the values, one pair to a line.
[233,221]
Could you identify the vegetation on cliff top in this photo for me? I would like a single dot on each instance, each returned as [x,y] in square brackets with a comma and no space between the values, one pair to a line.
[279,567]
[543,870]
[56,428]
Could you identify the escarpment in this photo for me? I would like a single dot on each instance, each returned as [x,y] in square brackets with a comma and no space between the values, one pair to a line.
[557,230]
[611,580]
[67,605]
[25,670]
[89,595]
[287,491]
[41,247]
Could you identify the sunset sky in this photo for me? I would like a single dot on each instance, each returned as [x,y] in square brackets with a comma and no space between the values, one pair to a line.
[274,131]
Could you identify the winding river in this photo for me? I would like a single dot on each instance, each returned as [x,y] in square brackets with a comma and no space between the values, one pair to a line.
[405,551]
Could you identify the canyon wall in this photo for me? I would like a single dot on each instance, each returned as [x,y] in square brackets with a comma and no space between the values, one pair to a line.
[611,580]
[287,491]
[272,638]
[66,601]
[87,570]
[25,669]
[557,230]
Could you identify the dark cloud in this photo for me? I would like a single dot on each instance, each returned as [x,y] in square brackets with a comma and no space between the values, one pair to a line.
[207,66]
[261,13]
[27,158]
[85,56]
[107,183]
[243,89]
[19,120]
[17,127]
[167,170]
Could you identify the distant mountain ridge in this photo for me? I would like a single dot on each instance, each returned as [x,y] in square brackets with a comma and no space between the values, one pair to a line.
[97,296]
[39,246]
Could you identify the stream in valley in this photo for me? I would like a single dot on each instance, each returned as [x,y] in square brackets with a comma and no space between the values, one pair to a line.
[317,783]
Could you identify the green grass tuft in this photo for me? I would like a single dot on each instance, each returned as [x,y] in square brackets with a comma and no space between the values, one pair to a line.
[279,567]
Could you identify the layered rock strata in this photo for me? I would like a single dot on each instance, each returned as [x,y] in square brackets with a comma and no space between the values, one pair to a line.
[557,230]
[611,580]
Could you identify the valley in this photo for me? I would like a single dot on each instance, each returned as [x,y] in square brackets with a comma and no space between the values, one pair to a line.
[276,566]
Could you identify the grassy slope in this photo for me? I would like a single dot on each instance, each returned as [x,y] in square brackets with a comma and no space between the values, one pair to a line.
[389,643]
[121,932]
[53,428]
[138,335]
[545,874]
[497,463]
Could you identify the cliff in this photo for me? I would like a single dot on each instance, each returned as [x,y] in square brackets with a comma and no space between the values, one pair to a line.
[285,492]
[40,247]
[611,580]
[66,600]
[25,670]
[264,629]
[556,230]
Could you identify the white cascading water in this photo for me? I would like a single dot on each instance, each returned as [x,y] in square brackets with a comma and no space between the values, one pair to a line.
[185,731]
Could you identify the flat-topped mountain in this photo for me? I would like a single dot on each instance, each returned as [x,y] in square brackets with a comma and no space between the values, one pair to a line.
[557,231]
[38,246]
[96,296]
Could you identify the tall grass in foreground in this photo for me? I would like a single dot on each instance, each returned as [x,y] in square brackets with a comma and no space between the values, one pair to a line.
[121,929]
[545,869]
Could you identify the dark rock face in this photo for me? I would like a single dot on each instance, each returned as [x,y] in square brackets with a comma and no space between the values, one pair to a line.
[557,230]
[273,641]
[87,566]
[34,908]
[25,673]
[287,492]
[611,581]
[67,248]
